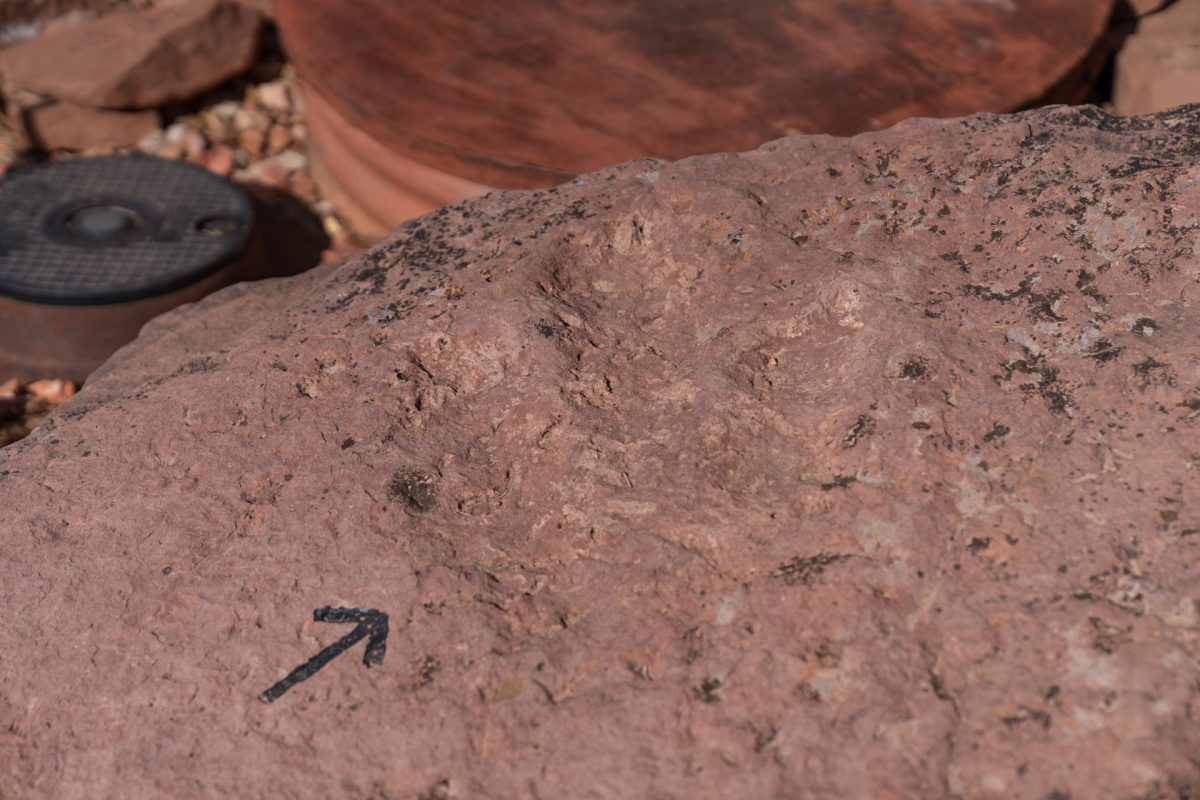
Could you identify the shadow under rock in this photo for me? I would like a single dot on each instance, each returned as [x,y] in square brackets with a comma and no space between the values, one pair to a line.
[288,237]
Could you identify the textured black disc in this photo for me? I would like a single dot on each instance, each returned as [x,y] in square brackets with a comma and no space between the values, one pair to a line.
[107,230]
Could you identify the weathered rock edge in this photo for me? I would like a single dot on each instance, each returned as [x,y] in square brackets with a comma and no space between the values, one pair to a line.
[842,468]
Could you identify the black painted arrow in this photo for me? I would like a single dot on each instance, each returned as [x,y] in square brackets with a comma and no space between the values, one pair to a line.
[369,623]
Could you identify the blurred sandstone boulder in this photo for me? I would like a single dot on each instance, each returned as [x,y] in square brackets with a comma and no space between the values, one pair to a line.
[137,58]
[1158,67]
[65,125]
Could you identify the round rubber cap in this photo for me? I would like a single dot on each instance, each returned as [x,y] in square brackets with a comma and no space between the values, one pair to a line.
[91,231]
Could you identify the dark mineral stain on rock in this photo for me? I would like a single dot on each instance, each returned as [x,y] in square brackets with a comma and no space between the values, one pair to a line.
[417,489]
[914,368]
[998,431]
[802,569]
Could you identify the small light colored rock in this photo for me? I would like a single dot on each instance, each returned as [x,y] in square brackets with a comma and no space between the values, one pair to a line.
[99,150]
[226,109]
[333,226]
[219,126]
[291,160]
[263,173]
[55,391]
[273,97]
[275,170]
[220,160]
[170,150]
[216,127]
[12,143]
[151,142]
[251,141]
[250,119]
[189,139]
[278,139]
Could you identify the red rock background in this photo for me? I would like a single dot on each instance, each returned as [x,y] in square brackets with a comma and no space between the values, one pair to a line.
[841,468]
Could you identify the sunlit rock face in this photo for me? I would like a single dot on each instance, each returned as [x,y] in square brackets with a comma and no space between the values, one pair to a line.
[843,468]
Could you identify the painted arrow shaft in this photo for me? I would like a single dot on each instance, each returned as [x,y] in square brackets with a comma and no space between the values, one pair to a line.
[370,623]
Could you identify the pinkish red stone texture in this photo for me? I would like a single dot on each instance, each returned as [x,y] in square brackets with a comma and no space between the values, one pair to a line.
[69,126]
[138,58]
[843,468]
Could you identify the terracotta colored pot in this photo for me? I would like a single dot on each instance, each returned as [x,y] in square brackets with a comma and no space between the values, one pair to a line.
[418,102]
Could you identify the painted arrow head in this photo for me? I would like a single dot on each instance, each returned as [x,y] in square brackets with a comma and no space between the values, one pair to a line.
[368,623]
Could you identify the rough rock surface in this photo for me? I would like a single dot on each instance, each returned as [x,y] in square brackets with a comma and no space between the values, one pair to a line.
[138,58]
[842,468]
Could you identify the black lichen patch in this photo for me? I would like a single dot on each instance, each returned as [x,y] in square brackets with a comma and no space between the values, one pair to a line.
[991,295]
[914,368]
[956,259]
[428,245]
[1048,386]
[998,431]
[1024,713]
[1150,370]
[427,669]
[1085,283]
[1041,304]
[196,366]
[802,569]
[839,482]
[549,328]
[1145,326]
[417,489]
[863,427]
[1103,351]
[709,690]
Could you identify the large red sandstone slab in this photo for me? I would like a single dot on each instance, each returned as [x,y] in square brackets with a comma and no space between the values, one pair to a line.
[842,468]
